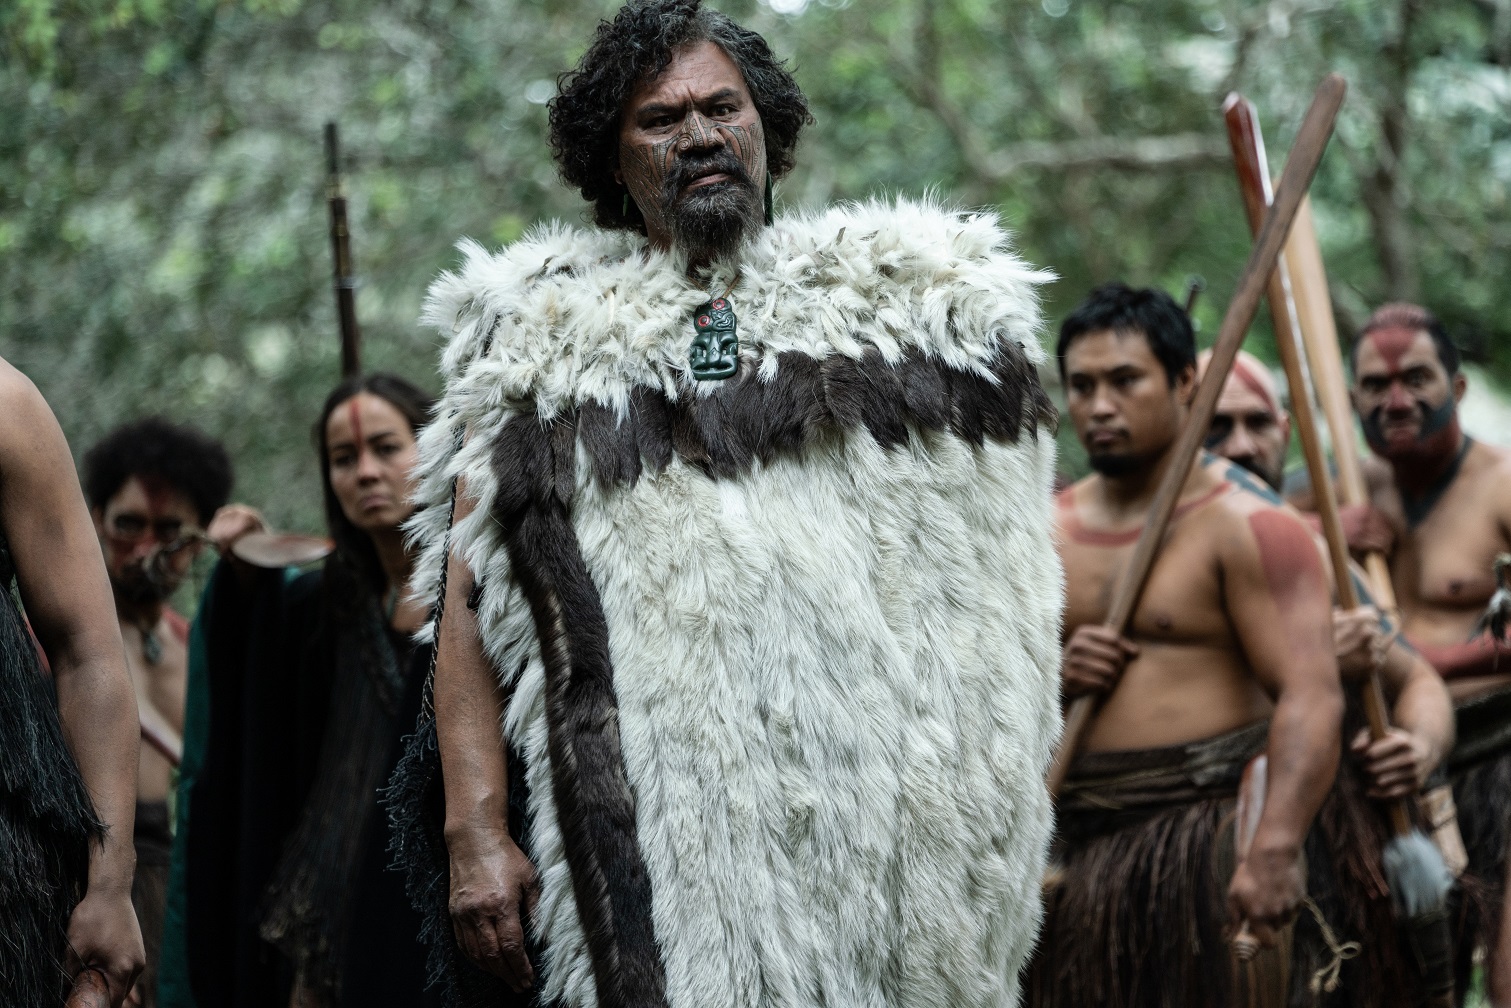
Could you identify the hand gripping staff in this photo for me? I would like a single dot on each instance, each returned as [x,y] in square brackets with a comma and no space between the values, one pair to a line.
[1419,880]
[1316,128]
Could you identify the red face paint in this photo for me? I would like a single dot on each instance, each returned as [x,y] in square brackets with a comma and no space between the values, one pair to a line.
[355,416]
[1252,382]
[158,495]
[1292,565]
[1392,343]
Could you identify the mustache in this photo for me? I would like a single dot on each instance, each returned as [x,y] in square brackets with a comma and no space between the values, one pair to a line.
[686,170]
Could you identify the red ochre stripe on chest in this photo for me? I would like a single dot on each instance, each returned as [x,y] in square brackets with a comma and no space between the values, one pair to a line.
[1073,528]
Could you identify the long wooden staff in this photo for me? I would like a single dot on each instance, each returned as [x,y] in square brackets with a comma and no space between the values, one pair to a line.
[344,278]
[1254,180]
[1316,128]
[1319,334]
[1416,872]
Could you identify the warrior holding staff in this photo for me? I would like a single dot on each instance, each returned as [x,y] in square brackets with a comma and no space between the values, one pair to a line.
[1440,511]
[1230,654]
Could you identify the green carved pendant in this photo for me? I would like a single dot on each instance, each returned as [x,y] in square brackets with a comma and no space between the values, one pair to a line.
[715,353]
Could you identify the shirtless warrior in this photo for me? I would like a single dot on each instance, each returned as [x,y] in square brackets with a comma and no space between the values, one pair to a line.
[151,486]
[1251,430]
[1441,512]
[1230,655]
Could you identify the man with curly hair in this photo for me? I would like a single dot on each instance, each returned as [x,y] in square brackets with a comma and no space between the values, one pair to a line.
[746,677]
[151,485]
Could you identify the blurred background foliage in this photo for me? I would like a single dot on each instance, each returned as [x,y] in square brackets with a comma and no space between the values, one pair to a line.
[163,241]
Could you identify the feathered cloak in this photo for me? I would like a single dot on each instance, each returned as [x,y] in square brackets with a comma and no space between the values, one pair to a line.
[781,650]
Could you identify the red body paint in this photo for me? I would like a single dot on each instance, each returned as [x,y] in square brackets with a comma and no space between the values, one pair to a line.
[1479,657]
[1251,381]
[1393,344]
[1094,537]
[1292,565]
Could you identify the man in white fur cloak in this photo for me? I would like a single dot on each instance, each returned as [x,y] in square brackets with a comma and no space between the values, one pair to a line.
[748,659]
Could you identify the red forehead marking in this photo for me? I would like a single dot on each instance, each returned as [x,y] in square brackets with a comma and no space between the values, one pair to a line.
[355,416]
[1251,381]
[1393,342]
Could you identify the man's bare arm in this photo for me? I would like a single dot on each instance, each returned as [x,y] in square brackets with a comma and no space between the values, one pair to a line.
[62,580]
[493,885]
[1279,601]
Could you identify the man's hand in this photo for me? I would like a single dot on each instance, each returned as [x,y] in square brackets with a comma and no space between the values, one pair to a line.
[1094,660]
[1367,529]
[1360,645]
[103,934]
[231,523]
[1397,765]
[1266,891]
[493,892]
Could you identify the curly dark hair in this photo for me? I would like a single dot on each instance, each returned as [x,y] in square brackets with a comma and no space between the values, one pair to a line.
[190,462]
[638,44]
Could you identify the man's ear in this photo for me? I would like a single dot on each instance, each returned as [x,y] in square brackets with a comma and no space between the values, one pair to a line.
[1185,385]
[1285,428]
[1460,386]
[98,515]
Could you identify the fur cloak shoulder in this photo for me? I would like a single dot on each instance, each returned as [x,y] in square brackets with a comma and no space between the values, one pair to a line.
[781,651]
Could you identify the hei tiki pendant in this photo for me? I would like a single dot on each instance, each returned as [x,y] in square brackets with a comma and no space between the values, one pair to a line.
[715,351]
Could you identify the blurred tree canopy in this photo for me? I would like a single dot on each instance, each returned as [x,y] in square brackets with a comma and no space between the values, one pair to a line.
[163,240]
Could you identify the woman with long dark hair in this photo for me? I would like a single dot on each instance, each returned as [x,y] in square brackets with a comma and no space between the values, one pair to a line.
[300,693]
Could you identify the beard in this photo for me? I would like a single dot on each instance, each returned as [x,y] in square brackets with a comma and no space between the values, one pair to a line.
[712,221]
[1117,466]
[133,586]
[1436,421]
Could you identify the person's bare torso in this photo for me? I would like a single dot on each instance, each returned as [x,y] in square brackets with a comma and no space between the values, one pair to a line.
[1443,568]
[160,689]
[1191,679]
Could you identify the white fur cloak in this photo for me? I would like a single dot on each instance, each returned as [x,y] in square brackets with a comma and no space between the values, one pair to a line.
[781,650]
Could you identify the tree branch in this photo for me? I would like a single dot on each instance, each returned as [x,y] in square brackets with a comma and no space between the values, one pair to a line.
[1149,153]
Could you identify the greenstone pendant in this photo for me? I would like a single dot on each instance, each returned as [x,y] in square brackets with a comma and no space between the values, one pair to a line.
[715,351]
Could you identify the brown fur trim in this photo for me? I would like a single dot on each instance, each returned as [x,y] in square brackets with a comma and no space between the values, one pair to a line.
[725,429]
[594,802]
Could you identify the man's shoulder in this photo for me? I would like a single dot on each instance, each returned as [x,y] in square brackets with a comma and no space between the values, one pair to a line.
[19,397]
[1493,463]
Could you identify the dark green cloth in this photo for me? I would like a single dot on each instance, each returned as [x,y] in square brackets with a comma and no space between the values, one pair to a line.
[259,723]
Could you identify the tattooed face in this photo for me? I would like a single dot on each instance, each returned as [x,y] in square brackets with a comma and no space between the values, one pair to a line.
[693,156]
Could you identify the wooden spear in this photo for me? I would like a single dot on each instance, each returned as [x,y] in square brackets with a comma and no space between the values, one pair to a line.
[1316,128]
[1418,877]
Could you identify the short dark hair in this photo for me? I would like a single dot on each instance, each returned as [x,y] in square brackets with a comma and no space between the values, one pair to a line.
[1400,315]
[189,461]
[1148,310]
[637,45]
